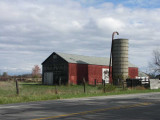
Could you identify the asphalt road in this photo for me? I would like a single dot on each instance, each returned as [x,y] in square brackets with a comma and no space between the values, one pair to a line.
[121,107]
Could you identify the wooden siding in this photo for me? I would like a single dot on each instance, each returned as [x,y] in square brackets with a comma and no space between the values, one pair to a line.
[77,72]
[58,66]
[133,72]
[95,72]
[91,72]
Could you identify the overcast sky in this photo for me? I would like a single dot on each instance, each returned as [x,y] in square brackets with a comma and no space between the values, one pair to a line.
[30,30]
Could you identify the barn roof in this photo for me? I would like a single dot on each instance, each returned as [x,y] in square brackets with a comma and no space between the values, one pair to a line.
[80,59]
[142,74]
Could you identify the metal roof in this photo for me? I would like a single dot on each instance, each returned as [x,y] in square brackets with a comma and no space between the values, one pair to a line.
[80,59]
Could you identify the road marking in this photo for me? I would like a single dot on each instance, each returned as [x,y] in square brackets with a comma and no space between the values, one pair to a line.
[96,110]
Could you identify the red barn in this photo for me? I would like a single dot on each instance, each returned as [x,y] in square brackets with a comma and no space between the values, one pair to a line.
[69,68]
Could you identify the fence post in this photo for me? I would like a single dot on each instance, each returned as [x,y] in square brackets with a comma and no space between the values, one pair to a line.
[84,84]
[102,81]
[17,87]
[56,92]
[104,89]
[95,82]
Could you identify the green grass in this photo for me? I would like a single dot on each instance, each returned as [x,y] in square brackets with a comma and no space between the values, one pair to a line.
[37,92]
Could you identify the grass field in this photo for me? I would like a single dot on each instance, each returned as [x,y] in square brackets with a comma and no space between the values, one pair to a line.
[38,92]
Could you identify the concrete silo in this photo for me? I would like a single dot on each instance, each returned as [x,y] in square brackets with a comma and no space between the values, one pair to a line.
[119,60]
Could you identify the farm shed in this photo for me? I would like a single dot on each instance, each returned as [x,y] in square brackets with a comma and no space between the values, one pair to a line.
[69,68]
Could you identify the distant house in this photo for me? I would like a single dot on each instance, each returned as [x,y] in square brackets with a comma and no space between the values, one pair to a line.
[144,77]
[142,74]
[69,68]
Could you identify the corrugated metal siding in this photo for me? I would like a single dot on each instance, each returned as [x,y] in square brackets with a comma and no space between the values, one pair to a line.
[133,72]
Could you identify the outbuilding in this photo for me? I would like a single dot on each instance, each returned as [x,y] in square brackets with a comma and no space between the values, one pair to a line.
[71,69]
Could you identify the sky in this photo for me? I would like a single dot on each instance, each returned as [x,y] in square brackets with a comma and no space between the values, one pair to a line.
[30,30]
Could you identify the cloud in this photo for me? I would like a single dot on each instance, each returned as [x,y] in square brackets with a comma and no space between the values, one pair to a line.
[32,30]
[110,24]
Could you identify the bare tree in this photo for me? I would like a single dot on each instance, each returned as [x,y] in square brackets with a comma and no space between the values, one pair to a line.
[155,63]
[36,71]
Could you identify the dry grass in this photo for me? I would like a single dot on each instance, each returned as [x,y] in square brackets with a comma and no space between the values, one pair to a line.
[140,88]
[137,88]
[37,92]
[7,85]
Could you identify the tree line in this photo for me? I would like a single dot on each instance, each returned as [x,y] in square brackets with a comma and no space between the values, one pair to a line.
[35,74]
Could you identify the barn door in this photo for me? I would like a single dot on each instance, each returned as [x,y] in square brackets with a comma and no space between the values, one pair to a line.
[48,78]
[105,75]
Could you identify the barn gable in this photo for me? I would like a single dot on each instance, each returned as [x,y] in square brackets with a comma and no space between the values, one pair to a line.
[53,58]
[53,69]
